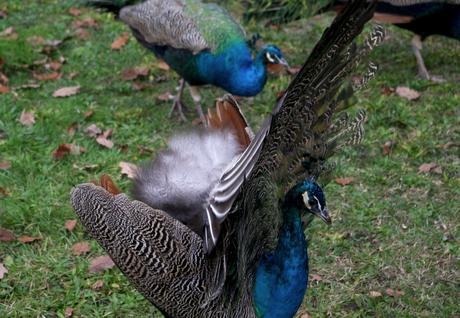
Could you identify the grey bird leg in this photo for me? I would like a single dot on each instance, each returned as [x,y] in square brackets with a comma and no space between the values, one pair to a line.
[422,71]
[177,103]
[195,93]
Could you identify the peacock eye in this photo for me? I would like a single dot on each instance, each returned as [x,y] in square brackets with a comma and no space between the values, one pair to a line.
[270,57]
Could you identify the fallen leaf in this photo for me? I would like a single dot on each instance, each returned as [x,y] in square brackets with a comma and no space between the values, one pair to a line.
[6,235]
[103,141]
[35,40]
[294,69]
[387,91]
[93,131]
[108,184]
[47,76]
[29,85]
[375,294]
[107,133]
[3,78]
[88,113]
[344,181]
[120,42]
[3,270]
[128,169]
[80,248]
[69,225]
[4,89]
[315,278]
[139,86]
[68,312]
[3,193]
[387,147]
[87,22]
[74,11]
[66,91]
[305,315]
[72,75]
[97,285]
[407,92]
[66,149]
[394,293]
[53,65]
[165,96]
[5,165]
[163,66]
[427,167]
[82,34]
[9,32]
[100,264]
[129,74]
[27,118]
[29,239]
[72,129]
[123,148]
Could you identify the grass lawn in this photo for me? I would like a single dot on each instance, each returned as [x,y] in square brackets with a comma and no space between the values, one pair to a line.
[392,250]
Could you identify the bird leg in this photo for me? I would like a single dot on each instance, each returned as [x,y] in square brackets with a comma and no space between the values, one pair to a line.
[177,101]
[422,70]
[195,93]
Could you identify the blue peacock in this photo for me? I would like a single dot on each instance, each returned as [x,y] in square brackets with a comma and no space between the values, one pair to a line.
[201,42]
[222,235]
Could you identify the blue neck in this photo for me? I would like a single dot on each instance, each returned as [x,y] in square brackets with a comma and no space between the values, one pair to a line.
[282,276]
[234,70]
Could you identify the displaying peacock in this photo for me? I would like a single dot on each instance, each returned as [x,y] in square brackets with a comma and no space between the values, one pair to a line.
[201,42]
[423,17]
[248,256]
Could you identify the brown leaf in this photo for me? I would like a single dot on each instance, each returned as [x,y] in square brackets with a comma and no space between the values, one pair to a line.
[93,131]
[394,293]
[315,278]
[66,91]
[344,181]
[163,66]
[3,270]
[5,165]
[47,76]
[29,239]
[123,148]
[6,235]
[88,113]
[306,315]
[80,248]
[3,78]
[107,133]
[85,23]
[137,86]
[121,41]
[9,33]
[97,285]
[82,34]
[27,118]
[68,312]
[103,141]
[72,129]
[3,193]
[69,225]
[387,91]
[375,294]
[107,183]
[72,75]
[133,73]
[165,96]
[35,40]
[100,264]
[53,65]
[427,167]
[66,149]
[294,69]
[29,85]
[128,169]
[4,89]
[75,11]
[407,92]
[387,147]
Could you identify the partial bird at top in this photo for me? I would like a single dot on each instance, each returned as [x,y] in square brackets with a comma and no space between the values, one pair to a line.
[201,42]
[423,17]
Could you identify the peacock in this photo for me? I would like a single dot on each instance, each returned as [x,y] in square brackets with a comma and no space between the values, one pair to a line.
[422,17]
[239,249]
[201,42]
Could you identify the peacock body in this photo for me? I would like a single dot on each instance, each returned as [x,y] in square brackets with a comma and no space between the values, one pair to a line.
[200,41]
[250,259]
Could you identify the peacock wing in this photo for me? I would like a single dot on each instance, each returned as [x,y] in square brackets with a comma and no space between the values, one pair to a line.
[182,24]
[161,257]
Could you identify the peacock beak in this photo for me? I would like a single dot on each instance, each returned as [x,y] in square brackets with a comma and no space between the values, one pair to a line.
[283,62]
[323,214]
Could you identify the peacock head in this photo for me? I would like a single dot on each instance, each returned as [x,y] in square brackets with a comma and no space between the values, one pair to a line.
[309,198]
[273,57]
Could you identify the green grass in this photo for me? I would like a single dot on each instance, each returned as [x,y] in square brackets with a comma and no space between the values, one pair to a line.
[393,227]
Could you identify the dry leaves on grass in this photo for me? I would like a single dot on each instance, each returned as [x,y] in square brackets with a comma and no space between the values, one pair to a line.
[68,312]
[128,169]
[87,22]
[88,113]
[75,11]
[315,278]
[4,193]
[428,167]
[344,181]
[82,34]
[120,42]
[375,294]
[97,285]
[47,76]
[407,92]
[100,264]
[163,66]
[67,91]
[4,89]
[165,96]
[27,118]
[5,165]
[80,248]
[388,147]
[69,225]
[9,33]
[93,131]
[103,141]
[394,293]
[29,239]
[3,270]
[66,149]
[129,74]
[6,235]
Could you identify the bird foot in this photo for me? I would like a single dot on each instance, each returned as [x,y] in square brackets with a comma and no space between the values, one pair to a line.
[178,106]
